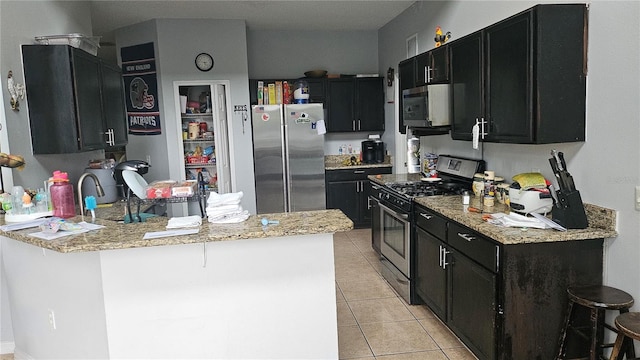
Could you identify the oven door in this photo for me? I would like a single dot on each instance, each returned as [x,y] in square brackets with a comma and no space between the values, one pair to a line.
[396,232]
[376,224]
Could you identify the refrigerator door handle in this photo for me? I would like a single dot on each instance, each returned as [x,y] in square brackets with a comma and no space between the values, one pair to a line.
[286,176]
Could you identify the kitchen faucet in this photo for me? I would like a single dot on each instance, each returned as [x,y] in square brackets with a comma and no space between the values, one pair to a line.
[99,190]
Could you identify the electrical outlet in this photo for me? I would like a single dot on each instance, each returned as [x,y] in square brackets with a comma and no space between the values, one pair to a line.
[149,159]
[52,319]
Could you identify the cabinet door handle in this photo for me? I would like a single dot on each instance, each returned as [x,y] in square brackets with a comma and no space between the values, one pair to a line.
[353,125]
[110,137]
[427,74]
[440,248]
[444,258]
[359,127]
[426,216]
[467,237]
[358,171]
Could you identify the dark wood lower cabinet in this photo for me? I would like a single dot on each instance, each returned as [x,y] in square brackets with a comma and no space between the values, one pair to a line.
[504,301]
[431,278]
[472,308]
[348,190]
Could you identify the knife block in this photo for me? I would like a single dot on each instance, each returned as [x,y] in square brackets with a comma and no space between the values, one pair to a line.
[569,210]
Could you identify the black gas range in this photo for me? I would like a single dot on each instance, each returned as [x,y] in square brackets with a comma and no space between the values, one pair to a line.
[455,175]
[392,209]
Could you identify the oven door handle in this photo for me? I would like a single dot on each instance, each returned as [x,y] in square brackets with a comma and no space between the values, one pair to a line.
[395,213]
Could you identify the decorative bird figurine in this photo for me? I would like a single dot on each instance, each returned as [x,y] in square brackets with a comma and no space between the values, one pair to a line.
[440,38]
[15,90]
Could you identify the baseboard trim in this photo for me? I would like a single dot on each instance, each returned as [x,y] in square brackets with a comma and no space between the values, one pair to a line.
[7,347]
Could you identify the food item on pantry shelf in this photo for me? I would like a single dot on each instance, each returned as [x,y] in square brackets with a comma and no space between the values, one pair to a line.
[260,92]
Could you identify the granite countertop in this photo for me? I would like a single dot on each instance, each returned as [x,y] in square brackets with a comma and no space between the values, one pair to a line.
[602,221]
[117,235]
[334,162]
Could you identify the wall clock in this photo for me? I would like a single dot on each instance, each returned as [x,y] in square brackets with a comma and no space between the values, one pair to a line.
[204,62]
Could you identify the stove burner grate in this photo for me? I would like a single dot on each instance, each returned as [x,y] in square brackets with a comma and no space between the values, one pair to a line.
[416,189]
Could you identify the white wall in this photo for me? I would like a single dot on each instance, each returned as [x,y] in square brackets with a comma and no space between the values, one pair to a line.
[20,22]
[606,167]
[177,42]
[74,297]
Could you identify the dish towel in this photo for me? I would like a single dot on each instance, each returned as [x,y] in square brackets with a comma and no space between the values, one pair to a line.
[216,199]
[225,208]
[184,221]
[222,209]
[230,217]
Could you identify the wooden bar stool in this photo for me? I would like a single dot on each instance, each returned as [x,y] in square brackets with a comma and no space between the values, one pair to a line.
[628,325]
[596,299]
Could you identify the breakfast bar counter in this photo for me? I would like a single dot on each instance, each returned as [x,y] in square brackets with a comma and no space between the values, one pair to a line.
[232,291]
[118,235]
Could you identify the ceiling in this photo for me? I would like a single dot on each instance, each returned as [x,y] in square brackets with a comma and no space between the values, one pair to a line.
[108,15]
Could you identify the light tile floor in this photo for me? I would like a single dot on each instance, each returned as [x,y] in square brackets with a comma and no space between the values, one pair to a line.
[373,321]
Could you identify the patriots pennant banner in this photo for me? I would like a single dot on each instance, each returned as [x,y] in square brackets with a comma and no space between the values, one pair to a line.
[141,89]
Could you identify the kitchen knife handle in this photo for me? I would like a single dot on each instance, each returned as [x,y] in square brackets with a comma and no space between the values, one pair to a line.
[555,155]
[562,162]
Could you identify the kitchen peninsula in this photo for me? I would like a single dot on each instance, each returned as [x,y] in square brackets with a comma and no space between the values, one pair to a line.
[232,291]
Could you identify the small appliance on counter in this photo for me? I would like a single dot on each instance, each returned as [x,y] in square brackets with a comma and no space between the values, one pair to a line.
[529,194]
[372,151]
[139,166]
[107,181]
[529,201]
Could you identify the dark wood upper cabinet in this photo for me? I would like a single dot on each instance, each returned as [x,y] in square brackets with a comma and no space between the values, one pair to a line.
[529,72]
[355,104]
[467,84]
[75,100]
[432,66]
[407,80]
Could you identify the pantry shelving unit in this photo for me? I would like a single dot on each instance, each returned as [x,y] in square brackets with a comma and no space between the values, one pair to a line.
[201,125]
[200,150]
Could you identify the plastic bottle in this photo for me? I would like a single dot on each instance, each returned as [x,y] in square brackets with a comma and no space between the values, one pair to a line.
[62,195]
[300,92]
[27,205]
[42,200]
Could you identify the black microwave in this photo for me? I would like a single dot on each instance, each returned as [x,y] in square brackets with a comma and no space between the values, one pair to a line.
[427,106]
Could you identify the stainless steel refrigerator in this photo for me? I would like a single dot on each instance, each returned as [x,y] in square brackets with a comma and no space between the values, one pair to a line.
[288,155]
